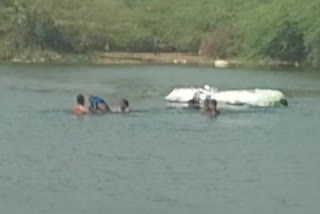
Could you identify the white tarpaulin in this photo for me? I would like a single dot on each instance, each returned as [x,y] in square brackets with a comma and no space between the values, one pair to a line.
[255,97]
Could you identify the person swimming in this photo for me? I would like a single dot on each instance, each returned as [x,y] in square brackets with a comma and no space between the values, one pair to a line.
[98,105]
[284,102]
[211,107]
[80,108]
[194,102]
[123,108]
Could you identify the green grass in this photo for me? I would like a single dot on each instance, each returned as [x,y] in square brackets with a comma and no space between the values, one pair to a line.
[286,30]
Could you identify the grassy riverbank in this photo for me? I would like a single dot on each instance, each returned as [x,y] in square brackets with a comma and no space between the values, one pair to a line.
[72,30]
[113,58]
[128,58]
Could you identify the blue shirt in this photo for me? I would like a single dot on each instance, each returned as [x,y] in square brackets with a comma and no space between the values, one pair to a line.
[94,101]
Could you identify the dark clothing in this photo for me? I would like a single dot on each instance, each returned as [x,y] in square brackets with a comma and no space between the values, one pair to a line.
[194,103]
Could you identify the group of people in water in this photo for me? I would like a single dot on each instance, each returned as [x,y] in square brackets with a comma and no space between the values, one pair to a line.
[210,105]
[98,105]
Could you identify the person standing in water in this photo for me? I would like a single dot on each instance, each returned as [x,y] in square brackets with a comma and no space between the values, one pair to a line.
[80,108]
[211,107]
[194,103]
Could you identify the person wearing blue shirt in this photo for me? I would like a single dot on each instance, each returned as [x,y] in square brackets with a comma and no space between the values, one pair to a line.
[98,105]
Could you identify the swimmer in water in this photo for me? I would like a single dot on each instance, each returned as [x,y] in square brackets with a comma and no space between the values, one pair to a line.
[80,108]
[194,103]
[211,107]
[98,105]
[123,108]
[284,102]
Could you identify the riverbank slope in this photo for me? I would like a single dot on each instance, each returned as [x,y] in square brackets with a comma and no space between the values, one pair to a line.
[109,58]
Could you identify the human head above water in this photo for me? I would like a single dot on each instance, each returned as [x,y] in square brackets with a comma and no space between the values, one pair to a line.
[124,103]
[284,102]
[213,102]
[211,105]
[80,99]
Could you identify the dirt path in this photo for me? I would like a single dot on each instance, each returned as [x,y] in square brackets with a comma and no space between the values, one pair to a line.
[162,58]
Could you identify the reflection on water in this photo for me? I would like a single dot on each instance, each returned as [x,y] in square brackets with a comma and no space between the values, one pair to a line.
[156,159]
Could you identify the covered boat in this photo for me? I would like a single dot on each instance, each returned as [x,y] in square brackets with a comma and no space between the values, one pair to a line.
[253,97]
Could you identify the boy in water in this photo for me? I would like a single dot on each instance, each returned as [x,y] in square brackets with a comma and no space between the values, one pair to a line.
[123,108]
[194,103]
[98,105]
[80,108]
[211,107]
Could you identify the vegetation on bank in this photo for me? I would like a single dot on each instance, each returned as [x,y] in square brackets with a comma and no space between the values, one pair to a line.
[284,30]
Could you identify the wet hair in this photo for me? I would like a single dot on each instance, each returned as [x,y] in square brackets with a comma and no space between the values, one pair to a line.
[214,102]
[209,101]
[125,102]
[284,102]
[80,99]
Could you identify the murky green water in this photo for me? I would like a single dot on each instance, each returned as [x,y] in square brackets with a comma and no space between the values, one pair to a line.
[155,160]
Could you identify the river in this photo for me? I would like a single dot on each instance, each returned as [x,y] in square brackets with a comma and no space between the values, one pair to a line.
[155,160]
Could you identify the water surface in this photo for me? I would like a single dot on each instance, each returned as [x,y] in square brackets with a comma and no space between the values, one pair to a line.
[155,160]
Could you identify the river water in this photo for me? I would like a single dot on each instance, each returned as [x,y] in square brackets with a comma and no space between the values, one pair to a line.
[155,160]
